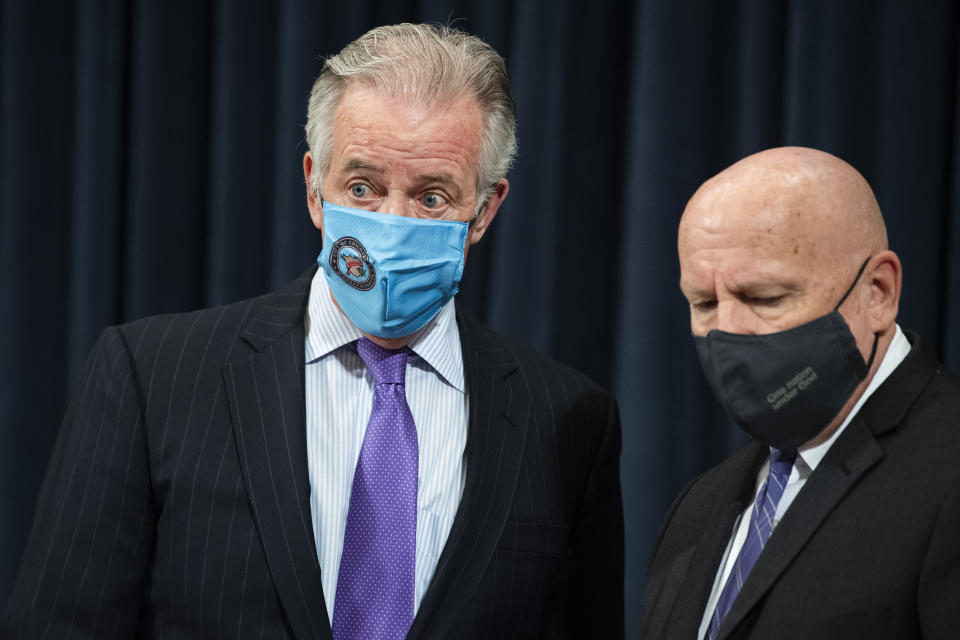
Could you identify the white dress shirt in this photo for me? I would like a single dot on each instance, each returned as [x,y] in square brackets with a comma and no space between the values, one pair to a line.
[806,461]
[339,398]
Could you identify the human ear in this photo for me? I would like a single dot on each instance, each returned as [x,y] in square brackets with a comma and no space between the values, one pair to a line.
[489,211]
[314,204]
[885,278]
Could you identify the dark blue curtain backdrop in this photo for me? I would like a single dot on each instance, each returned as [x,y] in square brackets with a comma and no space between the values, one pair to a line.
[150,162]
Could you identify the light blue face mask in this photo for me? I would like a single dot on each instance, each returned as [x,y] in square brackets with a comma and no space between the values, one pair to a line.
[390,274]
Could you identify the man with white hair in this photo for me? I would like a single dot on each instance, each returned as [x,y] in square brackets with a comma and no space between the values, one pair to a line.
[348,457]
[841,518]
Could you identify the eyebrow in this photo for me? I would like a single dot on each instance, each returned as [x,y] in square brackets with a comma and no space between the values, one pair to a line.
[690,290]
[441,178]
[747,287]
[445,179]
[354,164]
[765,284]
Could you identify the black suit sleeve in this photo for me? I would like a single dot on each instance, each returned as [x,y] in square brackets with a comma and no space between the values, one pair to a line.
[595,599]
[938,597]
[93,530]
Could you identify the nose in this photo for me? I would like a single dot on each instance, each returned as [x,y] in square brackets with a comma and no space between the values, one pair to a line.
[395,202]
[733,316]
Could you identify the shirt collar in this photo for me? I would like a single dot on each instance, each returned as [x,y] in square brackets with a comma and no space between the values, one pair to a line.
[437,343]
[896,352]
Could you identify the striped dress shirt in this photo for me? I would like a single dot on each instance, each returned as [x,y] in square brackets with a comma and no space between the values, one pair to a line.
[339,398]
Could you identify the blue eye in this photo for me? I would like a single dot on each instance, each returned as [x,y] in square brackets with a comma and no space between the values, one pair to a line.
[359,190]
[432,200]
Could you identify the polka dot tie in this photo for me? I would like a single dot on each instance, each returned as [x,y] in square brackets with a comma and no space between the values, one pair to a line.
[376,581]
[761,526]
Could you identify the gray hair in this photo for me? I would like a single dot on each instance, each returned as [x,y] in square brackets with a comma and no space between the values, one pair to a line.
[422,63]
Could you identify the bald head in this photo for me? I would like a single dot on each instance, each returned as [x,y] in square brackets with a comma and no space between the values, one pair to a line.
[776,239]
[817,201]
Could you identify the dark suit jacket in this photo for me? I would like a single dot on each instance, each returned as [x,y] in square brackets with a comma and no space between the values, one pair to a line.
[176,504]
[870,547]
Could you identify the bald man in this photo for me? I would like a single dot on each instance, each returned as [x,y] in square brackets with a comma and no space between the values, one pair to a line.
[841,519]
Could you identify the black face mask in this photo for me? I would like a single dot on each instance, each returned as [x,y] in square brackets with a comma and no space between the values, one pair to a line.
[784,388]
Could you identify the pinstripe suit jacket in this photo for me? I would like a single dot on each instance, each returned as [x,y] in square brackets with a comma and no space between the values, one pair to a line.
[176,503]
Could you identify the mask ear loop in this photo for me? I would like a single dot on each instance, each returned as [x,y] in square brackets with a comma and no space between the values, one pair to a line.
[853,284]
[482,201]
[873,352]
[876,336]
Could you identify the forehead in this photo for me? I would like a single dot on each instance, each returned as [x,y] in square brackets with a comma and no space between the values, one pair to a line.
[747,238]
[384,131]
[743,262]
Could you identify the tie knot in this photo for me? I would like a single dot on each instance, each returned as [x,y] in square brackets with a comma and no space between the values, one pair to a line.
[782,461]
[387,366]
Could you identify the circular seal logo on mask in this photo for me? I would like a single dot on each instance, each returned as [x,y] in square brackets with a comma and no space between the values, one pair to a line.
[348,259]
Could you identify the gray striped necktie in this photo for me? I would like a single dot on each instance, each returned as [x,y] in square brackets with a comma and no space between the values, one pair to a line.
[761,525]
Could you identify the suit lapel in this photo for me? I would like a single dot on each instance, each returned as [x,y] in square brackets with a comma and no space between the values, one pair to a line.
[848,459]
[851,456]
[266,399]
[499,411]
[686,611]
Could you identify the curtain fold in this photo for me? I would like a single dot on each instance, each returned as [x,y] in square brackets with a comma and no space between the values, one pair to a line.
[150,162]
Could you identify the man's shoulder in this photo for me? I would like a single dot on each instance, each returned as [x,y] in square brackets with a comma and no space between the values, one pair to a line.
[943,391]
[213,332]
[914,419]
[919,399]
[938,406]
[537,369]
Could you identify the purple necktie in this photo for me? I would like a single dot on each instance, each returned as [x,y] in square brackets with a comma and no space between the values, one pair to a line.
[375,585]
[761,526]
